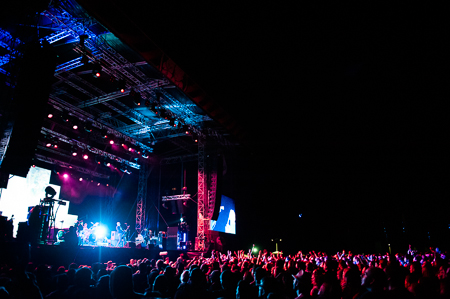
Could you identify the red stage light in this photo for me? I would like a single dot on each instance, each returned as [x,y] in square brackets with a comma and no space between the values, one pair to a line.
[122,90]
[97,74]
[75,127]
[50,115]
[74,154]
[85,157]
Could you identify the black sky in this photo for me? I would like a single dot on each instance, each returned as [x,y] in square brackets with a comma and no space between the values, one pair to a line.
[345,108]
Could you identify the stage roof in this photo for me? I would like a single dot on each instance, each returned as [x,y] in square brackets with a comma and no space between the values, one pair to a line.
[141,97]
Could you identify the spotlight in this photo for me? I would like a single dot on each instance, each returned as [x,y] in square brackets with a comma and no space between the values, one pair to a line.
[122,85]
[75,124]
[96,70]
[80,179]
[65,175]
[111,142]
[50,115]
[104,133]
[88,127]
[73,151]
[85,156]
[65,116]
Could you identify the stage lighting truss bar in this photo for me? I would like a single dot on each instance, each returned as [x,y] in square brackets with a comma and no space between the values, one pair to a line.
[56,36]
[201,196]
[176,197]
[70,166]
[100,49]
[89,148]
[134,113]
[84,116]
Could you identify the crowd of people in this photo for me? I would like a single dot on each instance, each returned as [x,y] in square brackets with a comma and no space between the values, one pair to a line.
[239,275]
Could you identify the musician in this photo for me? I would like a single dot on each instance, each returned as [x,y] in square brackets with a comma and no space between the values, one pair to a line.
[119,234]
[126,233]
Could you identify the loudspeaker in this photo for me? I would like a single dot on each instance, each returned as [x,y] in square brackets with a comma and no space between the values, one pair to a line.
[217,203]
[172,236]
[29,104]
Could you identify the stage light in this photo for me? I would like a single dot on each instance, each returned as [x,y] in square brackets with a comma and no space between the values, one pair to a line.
[104,133]
[65,175]
[65,116]
[100,232]
[75,124]
[80,179]
[73,151]
[181,219]
[122,85]
[50,115]
[111,142]
[88,127]
[96,70]
[48,144]
[85,156]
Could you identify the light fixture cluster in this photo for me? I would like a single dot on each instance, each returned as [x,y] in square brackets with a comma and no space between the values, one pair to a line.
[68,176]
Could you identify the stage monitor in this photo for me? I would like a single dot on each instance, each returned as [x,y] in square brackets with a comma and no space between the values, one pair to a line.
[226,222]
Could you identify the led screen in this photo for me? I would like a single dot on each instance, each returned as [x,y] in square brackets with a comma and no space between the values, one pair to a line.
[226,222]
[23,193]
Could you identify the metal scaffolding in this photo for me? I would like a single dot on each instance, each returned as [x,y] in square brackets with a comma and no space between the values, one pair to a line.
[141,198]
[202,221]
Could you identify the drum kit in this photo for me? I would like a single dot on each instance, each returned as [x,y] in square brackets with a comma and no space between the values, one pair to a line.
[87,235]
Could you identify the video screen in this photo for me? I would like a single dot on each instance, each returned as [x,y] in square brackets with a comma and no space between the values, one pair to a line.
[25,193]
[226,222]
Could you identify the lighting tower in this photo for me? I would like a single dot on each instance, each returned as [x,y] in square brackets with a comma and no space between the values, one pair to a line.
[202,219]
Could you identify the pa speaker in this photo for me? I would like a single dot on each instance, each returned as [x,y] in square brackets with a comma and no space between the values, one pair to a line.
[28,107]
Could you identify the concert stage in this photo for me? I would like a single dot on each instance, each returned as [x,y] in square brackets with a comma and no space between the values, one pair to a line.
[60,255]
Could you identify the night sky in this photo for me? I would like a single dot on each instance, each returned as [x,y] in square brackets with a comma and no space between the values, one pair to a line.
[344,109]
[345,113]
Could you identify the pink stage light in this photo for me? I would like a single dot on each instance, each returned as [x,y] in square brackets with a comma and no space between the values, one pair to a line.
[50,115]
[65,175]
[74,154]
[85,157]
[111,142]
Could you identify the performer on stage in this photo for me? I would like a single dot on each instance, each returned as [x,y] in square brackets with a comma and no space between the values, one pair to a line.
[126,233]
[119,235]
